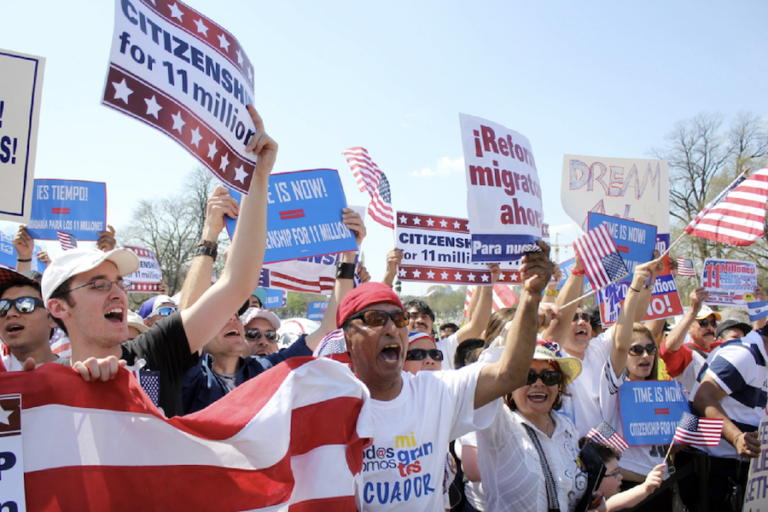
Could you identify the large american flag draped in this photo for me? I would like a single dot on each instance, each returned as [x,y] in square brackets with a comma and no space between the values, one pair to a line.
[737,215]
[601,259]
[370,178]
[698,431]
[290,439]
[67,241]
[605,434]
[685,267]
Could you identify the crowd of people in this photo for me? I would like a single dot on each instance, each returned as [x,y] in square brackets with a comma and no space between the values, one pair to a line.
[491,415]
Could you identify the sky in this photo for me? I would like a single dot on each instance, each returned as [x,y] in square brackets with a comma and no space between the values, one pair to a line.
[591,78]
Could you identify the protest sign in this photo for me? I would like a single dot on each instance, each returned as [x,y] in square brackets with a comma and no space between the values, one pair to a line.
[756,490]
[75,207]
[650,411]
[630,188]
[729,282]
[566,267]
[503,192]
[179,72]
[21,88]
[147,278]
[275,298]
[316,310]
[8,253]
[11,455]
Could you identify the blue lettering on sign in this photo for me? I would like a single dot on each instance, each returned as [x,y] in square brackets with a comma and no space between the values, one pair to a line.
[387,492]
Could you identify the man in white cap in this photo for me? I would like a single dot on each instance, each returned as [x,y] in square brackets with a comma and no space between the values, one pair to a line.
[83,290]
[687,346]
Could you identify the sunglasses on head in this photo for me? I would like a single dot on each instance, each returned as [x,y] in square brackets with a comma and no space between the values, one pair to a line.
[167,311]
[255,334]
[378,317]
[548,377]
[419,354]
[581,316]
[22,304]
[707,322]
[638,350]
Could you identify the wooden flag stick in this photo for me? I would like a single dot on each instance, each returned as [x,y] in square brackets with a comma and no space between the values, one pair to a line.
[669,451]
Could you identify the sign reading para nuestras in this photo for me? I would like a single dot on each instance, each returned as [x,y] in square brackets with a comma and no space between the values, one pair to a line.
[756,490]
[11,455]
[503,191]
[316,310]
[304,216]
[21,87]
[650,411]
[147,279]
[179,72]
[75,207]
[632,189]
[729,282]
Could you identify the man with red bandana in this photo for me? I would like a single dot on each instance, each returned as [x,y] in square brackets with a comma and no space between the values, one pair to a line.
[415,416]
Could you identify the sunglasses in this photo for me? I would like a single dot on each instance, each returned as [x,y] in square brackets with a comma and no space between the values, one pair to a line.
[581,316]
[548,377]
[419,354]
[23,305]
[638,350]
[167,311]
[707,322]
[377,317]
[255,334]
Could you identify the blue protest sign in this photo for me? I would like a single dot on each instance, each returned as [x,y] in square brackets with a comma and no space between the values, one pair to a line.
[304,216]
[8,253]
[275,299]
[634,240]
[75,207]
[565,268]
[316,310]
[650,411]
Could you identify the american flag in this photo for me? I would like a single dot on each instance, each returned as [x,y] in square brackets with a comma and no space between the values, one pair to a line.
[737,215]
[757,310]
[307,462]
[333,343]
[685,267]
[698,431]
[601,258]
[370,178]
[605,434]
[503,297]
[67,241]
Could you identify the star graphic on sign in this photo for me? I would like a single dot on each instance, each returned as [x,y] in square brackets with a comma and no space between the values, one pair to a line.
[417,221]
[471,277]
[457,276]
[240,174]
[403,219]
[444,275]
[416,273]
[224,162]
[122,91]
[201,28]
[176,12]
[501,276]
[443,224]
[430,222]
[239,57]
[4,416]
[403,273]
[431,274]
[152,107]
[223,43]
[513,277]
[484,277]
[212,150]
[457,224]
[178,122]
[196,137]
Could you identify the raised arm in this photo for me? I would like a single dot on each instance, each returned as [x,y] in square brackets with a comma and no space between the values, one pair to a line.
[481,313]
[676,336]
[394,257]
[24,245]
[572,289]
[510,372]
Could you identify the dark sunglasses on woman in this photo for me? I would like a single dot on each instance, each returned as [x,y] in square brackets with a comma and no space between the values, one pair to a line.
[419,354]
[638,350]
[548,377]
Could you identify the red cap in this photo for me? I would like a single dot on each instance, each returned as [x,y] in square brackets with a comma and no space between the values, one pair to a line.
[363,296]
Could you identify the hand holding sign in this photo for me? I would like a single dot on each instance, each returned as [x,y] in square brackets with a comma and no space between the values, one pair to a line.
[23,243]
[219,205]
[106,241]
[261,145]
[354,223]
[537,270]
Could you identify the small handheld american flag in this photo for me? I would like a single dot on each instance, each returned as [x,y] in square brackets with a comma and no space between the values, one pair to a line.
[67,241]
[602,261]
[698,431]
[603,433]
[370,178]
[685,268]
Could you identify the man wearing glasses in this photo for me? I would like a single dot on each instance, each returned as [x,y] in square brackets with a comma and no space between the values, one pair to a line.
[687,346]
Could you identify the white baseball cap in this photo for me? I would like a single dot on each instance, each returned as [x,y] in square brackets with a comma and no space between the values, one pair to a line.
[161,302]
[77,261]
[253,313]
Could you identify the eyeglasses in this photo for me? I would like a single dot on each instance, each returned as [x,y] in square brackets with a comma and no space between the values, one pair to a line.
[378,317]
[419,354]
[549,377]
[707,322]
[581,316]
[255,334]
[104,285]
[615,474]
[166,311]
[22,304]
[638,350]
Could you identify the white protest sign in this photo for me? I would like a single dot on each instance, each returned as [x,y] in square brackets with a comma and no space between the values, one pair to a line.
[756,491]
[21,88]
[632,189]
[729,282]
[11,455]
[147,278]
[179,72]
[503,192]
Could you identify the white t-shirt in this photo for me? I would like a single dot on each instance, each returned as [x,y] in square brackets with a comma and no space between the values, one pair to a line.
[11,363]
[472,490]
[448,347]
[585,390]
[404,467]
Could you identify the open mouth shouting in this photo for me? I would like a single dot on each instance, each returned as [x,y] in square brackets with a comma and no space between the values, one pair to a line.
[232,333]
[537,397]
[115,314]
[390,354]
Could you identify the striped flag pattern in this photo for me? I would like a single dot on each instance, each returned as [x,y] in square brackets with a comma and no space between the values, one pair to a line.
[737,215]
[370,178]
[333,343]
[600,257]
[698,431]
[685,268]
[503,297]
[757,310]
[67,241]
[605,434]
